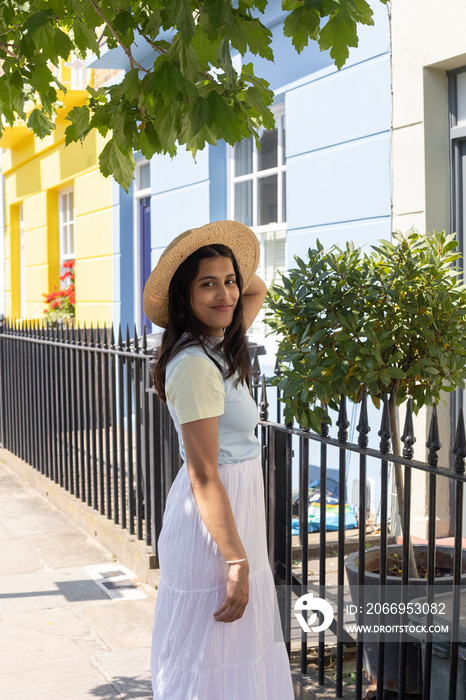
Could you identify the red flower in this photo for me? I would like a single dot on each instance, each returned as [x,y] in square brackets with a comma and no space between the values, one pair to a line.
[69,264]
[55,304]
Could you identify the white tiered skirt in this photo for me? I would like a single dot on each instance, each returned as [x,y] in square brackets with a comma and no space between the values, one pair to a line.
[194,657]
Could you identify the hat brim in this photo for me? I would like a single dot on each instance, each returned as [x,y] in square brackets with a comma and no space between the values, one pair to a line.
[238,237]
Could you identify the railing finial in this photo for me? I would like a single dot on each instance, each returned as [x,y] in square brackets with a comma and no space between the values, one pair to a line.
[459,448]
[264,404]
[342,421]
[324,427]
[385,433]
[408,438]
[256,370]
[433,442]
[363,426]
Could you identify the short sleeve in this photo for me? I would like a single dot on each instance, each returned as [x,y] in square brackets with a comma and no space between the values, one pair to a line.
[195,389]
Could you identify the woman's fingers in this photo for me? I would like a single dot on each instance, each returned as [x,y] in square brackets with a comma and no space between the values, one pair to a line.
[230,613]
[230,610]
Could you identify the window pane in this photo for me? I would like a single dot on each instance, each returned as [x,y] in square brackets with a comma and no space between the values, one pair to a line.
[243,157]
[267,199]
[274,258]
[283,140]
[71,239]
[267,156]
[284,197]
[243,202]
[144,176]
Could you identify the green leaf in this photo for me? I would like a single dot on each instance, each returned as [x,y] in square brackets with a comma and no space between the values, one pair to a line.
[301,25]
[40,123]
[224,59]
[216,15]
[132,84]
[178,13]
[250,34]
[395,372]
[149,142]
[222,113]
[34,22]
[187,58]
[337,36]
[62,44]
[167,81]
[79,127]
[114,162]
[84,38]
[39,76]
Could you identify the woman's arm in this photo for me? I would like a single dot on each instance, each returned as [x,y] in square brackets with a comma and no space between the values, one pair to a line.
[253,298]
[200,439]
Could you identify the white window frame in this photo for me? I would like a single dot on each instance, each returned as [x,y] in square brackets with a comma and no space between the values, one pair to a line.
[138,194]
[22,264]
[64,226]
[258,329]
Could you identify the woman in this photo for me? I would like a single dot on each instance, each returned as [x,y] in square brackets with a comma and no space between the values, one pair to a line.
[217,633]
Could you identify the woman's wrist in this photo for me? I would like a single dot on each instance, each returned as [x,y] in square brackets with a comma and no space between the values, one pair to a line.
[232,562]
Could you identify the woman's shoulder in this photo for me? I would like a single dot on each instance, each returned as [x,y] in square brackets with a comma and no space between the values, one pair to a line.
[191,351]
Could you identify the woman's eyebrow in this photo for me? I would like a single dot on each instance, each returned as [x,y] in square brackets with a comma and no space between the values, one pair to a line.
[212,277]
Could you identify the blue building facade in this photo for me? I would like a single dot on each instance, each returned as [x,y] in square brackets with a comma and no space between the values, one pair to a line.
[323,173]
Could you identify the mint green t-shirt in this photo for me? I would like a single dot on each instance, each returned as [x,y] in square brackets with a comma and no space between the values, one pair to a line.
[196,389]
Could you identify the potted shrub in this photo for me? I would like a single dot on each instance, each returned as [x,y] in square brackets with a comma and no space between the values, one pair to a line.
[389,322]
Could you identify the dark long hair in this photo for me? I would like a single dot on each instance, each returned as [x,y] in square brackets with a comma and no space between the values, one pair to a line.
[181,320]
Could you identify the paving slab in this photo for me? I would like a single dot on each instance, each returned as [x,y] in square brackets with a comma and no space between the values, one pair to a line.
[47,589]
[18,557]
[61,634]
[41,635]
[70,548]
[128,672]
[69,679]
[5,533]
[122,624]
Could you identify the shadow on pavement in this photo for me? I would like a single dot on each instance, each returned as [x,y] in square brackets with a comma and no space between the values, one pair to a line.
[131,688]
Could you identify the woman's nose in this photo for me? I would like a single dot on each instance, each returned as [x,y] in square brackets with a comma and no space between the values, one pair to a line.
[222,291]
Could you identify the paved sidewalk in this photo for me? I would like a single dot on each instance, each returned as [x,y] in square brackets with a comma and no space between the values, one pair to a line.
[73,623]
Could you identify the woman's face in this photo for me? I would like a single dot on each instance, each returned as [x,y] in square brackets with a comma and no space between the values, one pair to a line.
[214,294]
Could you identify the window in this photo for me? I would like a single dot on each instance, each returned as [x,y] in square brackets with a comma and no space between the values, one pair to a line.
[142,240]
[457,109]
[257,198]
[22,264]
[66,226]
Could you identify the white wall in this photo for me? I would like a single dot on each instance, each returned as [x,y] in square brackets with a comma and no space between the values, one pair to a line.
[2,250]
[428,39]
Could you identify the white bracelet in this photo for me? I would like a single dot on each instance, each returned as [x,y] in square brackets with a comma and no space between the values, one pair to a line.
[235,561]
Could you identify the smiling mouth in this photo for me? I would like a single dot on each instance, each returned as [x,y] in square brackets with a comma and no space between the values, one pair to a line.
[222,308]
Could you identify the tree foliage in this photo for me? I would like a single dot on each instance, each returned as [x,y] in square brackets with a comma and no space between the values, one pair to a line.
[391,322]
[189,95]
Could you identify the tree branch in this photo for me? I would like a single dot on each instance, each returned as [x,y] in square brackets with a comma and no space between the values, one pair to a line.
[6,47]
[164,51]
[133,63]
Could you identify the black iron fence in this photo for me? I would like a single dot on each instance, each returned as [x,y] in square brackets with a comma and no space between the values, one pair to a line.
[77,405]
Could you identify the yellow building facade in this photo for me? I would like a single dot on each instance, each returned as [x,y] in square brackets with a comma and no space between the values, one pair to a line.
[57,207]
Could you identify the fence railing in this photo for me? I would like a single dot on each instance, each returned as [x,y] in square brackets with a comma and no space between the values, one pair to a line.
[77,405]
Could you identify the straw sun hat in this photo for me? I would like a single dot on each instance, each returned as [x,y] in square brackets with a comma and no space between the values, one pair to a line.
[238,237]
